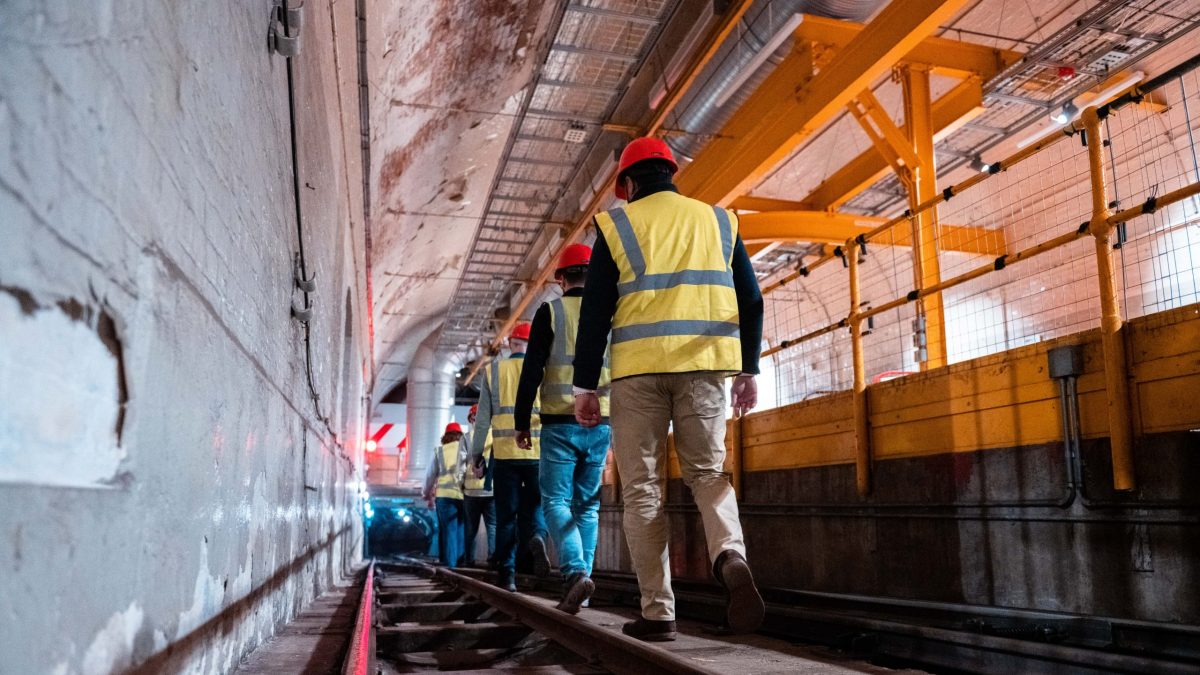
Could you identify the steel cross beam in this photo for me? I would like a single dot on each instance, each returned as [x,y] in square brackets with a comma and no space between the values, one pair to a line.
[835,228]
[791,103]
[953,110]
[946,57]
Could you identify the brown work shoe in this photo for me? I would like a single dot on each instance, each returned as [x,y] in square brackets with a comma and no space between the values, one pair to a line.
[744,606]
[649,630]
[579,589]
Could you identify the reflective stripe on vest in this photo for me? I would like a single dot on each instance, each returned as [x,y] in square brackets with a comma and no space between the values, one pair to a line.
[557,394]
[447,481]
[503,377]
[677,308]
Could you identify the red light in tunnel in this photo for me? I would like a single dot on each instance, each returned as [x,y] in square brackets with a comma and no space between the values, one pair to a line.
[372,445]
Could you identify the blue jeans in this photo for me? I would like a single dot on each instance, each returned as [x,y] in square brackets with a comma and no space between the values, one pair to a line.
[572,464]
[477,507]
[450,530]
[518,508]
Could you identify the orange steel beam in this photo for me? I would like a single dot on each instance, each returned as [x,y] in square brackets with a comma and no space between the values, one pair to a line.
[949,57]
[955,108]
[752,203]
[696,64]
[789,106]
[835,228]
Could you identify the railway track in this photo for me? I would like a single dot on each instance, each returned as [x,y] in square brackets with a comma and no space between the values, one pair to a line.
[429,618]
[945,637]
[426,618]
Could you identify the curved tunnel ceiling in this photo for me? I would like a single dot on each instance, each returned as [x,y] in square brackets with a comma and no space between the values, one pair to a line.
[446,79]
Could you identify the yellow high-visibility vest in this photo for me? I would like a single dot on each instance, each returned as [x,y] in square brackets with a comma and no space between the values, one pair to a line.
[556,393]
[503,378]
[448,472]
[471,483]
[677,310]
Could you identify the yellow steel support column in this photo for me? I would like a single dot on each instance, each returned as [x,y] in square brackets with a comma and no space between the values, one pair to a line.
[862,433]
[918,120]
[1116,380]
[736,458]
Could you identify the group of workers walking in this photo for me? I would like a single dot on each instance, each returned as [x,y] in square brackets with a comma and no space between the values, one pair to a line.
[651,323]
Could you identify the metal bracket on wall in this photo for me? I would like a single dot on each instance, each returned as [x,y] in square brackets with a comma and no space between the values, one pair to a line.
[283,37]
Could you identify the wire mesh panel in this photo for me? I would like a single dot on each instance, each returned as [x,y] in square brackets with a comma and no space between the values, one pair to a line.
[1044,297]
[993,299]
[1152,151]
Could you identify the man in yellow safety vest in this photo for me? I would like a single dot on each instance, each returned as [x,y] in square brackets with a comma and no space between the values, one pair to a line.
[572,456]
[671,280]
[519,521]
[443,486]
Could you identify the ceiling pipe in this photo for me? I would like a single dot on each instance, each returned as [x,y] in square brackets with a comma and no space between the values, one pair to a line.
[747,64]
[430,400]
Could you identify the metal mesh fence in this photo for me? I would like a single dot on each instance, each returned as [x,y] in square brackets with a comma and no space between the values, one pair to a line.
[1149,149]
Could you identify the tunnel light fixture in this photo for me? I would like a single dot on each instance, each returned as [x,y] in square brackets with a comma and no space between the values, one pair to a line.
[576,133]
[1066,114]
[785,31]
[372,445]
[978,164]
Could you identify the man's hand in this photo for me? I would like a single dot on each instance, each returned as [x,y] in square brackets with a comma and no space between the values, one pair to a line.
[524,441]
[745,394]
[587,410]
[478,470]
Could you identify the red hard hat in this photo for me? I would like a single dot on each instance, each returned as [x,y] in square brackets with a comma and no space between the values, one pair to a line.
[640,149]
[521,332]
[453,427]
[574,256]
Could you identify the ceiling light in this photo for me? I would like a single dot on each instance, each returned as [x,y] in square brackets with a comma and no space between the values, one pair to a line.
[978,165]
[576,133]
[1068,113]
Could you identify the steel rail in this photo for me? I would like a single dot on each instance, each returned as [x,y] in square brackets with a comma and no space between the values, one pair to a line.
[615,651]
[360,655]
[959,650]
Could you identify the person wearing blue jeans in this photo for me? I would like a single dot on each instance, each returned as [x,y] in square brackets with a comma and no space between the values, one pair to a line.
[443,490]
[573,457]
[519,522]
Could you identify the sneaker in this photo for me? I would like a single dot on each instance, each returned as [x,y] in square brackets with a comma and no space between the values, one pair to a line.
[649,630]
[507,581]
[541,561]
[587,602]
[744,606]
[579,589]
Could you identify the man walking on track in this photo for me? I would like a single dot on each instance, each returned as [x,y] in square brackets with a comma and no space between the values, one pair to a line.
[443,487]
[671,279]
[572,455]
[519,520]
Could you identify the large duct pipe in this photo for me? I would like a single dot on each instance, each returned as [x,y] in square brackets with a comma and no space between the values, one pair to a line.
[715,104]
[430,398]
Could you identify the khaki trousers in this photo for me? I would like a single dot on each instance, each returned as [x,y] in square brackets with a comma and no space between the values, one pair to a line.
[643,407]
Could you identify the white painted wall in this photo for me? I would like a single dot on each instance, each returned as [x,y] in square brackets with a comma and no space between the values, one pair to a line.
[147,232]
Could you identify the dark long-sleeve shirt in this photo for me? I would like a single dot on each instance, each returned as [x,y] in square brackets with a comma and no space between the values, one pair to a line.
[537,354]
[600,303]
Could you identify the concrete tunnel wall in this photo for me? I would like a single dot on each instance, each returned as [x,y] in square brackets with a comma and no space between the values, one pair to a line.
[172,491]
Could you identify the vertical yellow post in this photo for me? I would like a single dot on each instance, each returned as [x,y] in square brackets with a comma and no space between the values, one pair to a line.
[1112,335]
[862,438]
[734,462]
[922,186]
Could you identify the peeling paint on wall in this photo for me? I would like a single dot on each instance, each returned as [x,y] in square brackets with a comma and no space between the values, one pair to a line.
[62,400]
